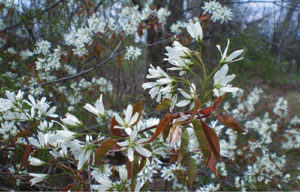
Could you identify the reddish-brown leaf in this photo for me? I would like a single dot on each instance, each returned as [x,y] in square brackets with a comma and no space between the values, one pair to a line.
[161,126]
[137,108]
[128,167]
[119,61]
[204,17]
[230,122]
[104,148]
[68,187]
[211,164]
[213,140]
[174,157]
[114,131]
[218,100]
[25,156]
[206,110]
[22,133]
[175,130]
[140,29]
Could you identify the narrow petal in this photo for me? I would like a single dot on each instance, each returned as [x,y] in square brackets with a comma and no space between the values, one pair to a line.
[234,55]
[128,113]
[124,143]
[130,154]
[144,152]
[134,118]
[183,103]
[119,119]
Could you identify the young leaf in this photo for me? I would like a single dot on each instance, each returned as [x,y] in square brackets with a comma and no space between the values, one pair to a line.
[175,130]
[202,140]
[104,148]
[23,133]
[218,101]
[184,144]
[212,139]
[134,168]
[161,126]
[211,164]
[164,104]
[192,172]
[230,122]
[137,108]
[115,132]
[25,156]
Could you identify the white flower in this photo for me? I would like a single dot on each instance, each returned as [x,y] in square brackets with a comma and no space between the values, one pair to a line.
[232,56]
[162,15]
[175,57]
[71,120]
[211,6]
[98,109]
[132,53]
[221,82]
[133,144]
[195,31]
[105,184]
[189,97]
[5,104]
[223,14]
[41,141]
[35,161]
[38,177]
[129,120]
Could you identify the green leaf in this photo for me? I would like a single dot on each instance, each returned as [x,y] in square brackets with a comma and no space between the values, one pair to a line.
[192,172]
[134,168]
[184,144]
[104,148]
[202,140]
[164,104]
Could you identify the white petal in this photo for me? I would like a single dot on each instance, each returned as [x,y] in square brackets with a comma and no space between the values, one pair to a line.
[119,119]
[234,55]
[90,108]
[229,89]
[183,103]
[123,144]
[128,113]
[128,131]
[130,154]
[143,151]
[134,118]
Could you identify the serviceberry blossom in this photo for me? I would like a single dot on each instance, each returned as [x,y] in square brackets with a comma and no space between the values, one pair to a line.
[281,107]
[211,6]
[175,56]
[232,57]
[195,31]
[132,144]
[37,177]
[35,161]
[223,14]
[98,109]
[71,120]
[129,120]
[162,15]
[189,97]
[221,80]
[162,86]
[132,53]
